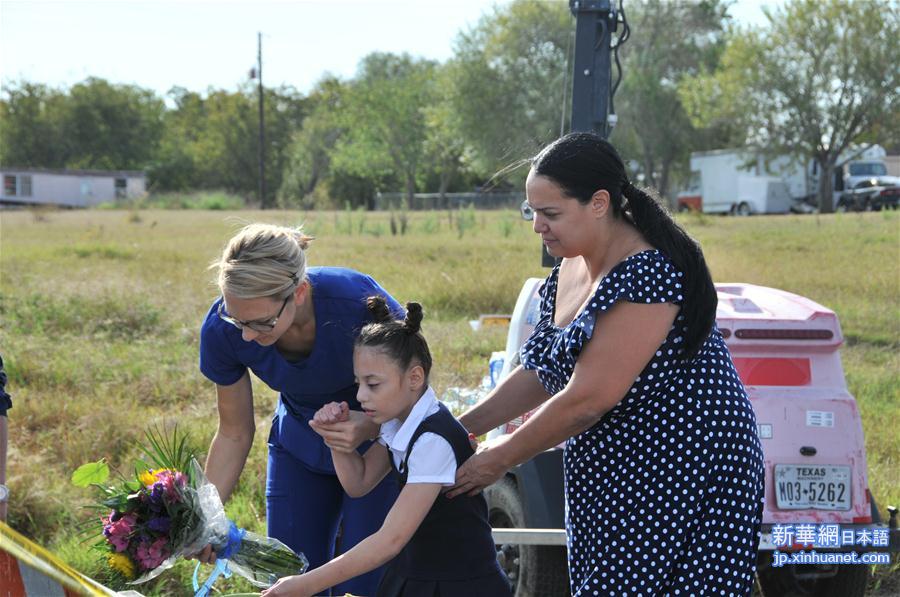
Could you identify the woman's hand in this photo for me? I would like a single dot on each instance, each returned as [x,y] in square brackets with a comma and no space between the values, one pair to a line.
[207,555]
[483,468]
[345,435]
[294,586]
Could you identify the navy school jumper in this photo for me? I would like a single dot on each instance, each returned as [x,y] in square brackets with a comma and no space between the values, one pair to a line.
[452,553]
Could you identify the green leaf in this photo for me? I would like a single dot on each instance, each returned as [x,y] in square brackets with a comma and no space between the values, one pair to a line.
[117,502]
[92,472]
[168,450]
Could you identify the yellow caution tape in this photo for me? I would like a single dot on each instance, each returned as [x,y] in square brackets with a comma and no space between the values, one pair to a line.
[33,555]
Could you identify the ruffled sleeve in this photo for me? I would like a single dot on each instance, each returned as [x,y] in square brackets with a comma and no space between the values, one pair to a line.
[645,278]
[548,294]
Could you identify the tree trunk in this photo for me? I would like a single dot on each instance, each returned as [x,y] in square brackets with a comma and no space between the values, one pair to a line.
[447,173]
[311,184]
[649,172]
[410,189]
[649,165]
[444,184]
[826,183]
[663,187]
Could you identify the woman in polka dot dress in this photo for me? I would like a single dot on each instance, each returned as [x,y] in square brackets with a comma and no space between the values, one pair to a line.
[663,466]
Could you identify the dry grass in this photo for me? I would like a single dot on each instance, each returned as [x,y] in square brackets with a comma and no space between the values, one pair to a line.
[100,310]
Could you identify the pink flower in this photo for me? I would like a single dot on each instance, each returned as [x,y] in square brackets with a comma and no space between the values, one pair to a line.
[169,479]
[150,555]
[118,542]
[119,532]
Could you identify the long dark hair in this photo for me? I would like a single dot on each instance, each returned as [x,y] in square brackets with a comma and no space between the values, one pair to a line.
[402,341]
[583,163]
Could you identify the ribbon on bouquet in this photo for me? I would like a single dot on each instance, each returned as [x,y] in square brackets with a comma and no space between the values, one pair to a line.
[235,535]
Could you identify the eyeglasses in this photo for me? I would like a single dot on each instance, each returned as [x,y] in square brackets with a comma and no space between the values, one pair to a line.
[526,211]
[256,326]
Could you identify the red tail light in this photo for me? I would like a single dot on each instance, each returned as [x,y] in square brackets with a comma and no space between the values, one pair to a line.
[759,334]
[773,371]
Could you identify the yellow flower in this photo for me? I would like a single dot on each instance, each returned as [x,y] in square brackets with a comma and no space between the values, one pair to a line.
[147,478]
[122,563]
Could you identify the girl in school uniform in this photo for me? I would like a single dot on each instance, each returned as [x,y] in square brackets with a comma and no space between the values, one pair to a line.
[435,546]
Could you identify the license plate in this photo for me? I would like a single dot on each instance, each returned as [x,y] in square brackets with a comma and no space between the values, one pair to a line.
[817,487]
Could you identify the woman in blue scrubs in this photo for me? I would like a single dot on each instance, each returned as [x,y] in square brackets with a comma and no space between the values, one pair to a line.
[294,328]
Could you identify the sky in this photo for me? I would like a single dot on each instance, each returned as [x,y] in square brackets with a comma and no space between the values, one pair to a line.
[202,44]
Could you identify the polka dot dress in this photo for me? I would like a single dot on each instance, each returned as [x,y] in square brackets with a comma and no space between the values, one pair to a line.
[664,494]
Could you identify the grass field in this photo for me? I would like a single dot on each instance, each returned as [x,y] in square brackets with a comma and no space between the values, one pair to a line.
[100,311]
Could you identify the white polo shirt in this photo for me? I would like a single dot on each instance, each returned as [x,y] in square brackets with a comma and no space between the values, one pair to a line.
[433,460]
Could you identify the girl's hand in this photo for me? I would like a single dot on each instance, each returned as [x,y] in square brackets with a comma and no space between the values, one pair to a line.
[332,412]
[293,586]
[483,468]
[346,435]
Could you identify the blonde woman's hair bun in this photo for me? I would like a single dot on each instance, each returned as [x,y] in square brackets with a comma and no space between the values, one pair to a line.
[263,260]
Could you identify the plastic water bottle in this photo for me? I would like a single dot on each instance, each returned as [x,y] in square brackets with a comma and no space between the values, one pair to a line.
[495,367]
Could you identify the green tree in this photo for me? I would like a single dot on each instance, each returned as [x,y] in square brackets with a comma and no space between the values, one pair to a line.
[94,125]
[114,127]
[512,80]
[669,41]
[174,168]
[308,158]
[31,116]
[819,79]
[212,142]
[384,121]
[445,146]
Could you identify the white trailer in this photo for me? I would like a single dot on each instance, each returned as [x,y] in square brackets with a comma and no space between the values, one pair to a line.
[742,182]
[729,182]
[69,188]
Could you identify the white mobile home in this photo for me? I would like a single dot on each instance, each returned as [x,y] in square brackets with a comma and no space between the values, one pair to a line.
[69,188]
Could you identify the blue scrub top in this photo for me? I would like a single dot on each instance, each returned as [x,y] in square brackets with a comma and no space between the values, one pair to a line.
[339,301]
[5,401]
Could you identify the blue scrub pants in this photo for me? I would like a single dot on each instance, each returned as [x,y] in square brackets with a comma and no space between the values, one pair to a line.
[304,509]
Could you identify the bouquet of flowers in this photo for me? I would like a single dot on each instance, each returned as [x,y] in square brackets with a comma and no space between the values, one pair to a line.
[168,510]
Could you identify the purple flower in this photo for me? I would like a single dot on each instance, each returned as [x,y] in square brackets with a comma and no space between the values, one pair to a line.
[160,525]
[157,492]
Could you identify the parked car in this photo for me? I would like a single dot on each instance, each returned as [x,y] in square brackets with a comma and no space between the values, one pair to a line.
[872,194]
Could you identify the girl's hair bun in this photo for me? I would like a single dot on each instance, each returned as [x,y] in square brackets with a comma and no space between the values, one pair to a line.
[402,341]
[377,306]
[413,321]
